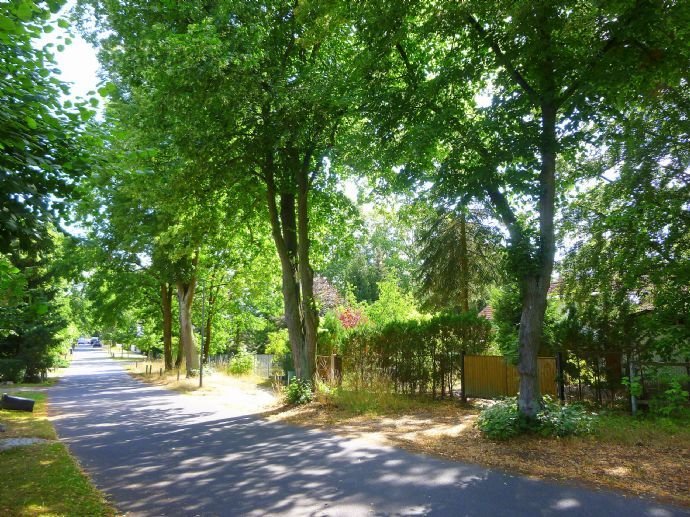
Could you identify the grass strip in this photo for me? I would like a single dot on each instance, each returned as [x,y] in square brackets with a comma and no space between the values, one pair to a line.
[43,479]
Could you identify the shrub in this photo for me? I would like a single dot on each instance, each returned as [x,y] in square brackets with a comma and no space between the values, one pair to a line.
[557,420]
[241,364]
[300,391]
[502,420]
[12,370]
[60,363]
[416,355]
[672,401]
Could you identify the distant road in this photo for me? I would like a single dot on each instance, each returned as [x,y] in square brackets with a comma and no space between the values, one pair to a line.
[156,452]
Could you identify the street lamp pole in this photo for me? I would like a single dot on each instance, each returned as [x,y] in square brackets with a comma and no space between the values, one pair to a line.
[203,328]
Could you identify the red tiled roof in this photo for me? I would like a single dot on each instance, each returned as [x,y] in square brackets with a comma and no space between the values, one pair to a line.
[487,312]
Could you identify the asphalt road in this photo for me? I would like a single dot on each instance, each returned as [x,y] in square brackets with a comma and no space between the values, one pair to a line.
[155,452]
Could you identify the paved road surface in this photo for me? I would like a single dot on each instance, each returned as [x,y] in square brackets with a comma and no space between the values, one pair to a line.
[155,452]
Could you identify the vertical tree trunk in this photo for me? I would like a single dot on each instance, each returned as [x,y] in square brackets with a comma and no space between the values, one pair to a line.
[310,318]
[290,234]
[166,304]
[535,283]
[185,298]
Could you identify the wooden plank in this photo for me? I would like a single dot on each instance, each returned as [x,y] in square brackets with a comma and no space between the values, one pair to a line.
[491,376]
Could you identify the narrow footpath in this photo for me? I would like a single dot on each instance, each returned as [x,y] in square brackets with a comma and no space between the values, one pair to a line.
[155,452]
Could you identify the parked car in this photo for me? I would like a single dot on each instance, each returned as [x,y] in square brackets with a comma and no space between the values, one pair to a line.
[95,342]
[82,341]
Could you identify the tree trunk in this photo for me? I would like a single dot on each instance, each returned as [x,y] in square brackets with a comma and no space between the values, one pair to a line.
[166,304]
[292,245]
[310,318]
[535,283]
[531,327]
[185,298]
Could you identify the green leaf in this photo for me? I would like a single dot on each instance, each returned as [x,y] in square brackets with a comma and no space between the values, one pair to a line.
[31,123]
[24,11]
[7,25]
[107,89]
[62,23]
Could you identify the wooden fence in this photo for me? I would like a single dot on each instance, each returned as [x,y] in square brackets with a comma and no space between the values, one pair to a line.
[488,376]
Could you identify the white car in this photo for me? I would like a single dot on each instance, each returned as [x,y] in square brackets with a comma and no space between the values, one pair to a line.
[82,341]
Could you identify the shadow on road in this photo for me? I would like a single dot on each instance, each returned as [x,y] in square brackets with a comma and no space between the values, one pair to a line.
[156,452]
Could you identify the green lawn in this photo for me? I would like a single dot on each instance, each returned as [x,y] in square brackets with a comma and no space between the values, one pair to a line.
[43,479]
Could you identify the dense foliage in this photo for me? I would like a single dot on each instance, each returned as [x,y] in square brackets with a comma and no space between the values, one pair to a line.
[502,420]
[42,158]
[414,356]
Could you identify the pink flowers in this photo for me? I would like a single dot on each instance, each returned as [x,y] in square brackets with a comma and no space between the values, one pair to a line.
[350,318]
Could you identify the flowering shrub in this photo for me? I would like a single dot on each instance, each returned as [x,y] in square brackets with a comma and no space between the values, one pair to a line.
[351,318]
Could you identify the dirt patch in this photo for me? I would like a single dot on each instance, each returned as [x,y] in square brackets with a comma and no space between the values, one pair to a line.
[653,468]
[247,394]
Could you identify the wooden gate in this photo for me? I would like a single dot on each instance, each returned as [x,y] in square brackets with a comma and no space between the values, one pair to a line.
[489,376]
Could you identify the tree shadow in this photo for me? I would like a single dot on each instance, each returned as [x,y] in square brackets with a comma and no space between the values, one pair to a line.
[158,453]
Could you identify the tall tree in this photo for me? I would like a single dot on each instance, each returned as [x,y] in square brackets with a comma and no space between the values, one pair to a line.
[460,260]
[264,100]
[41,135]
[489,96]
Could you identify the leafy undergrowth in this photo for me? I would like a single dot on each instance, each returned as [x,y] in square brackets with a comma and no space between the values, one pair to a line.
[646,457]
[43,479]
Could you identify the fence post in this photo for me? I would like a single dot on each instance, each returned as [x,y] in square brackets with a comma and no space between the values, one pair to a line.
[560,378]
[463,392]
[687,369]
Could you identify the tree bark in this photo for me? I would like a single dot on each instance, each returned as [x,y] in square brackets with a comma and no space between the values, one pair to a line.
[166,305]
[535,283]
[185,298]
[310,318]
[292,245]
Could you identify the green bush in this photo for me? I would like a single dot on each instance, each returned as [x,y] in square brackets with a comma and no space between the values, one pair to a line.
[557,420]
[417,356]
[241,364]
[673,401]
[502,420]
[300,391]
[12,370]
[60,363]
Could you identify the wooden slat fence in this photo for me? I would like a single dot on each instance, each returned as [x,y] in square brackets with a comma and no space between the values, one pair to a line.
[488,376]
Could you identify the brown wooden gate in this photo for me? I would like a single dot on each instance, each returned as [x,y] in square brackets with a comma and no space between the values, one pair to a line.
[489,376]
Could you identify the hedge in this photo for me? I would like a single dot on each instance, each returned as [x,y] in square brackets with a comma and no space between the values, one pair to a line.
[414,356]
[13,370]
